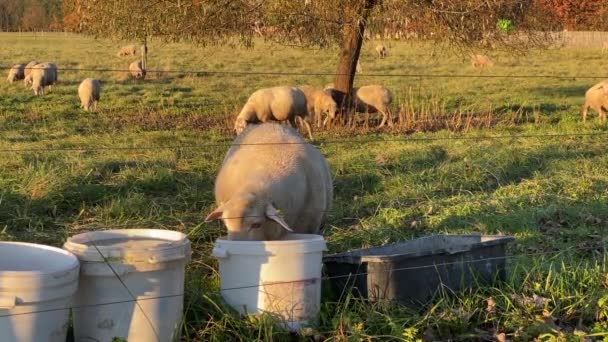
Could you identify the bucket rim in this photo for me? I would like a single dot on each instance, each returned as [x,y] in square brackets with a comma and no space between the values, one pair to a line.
[73,264]
[80,244]
[305,237]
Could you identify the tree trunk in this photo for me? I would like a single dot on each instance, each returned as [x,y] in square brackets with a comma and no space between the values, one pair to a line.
[351,47]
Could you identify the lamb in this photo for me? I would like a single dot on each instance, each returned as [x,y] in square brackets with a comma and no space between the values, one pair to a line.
[263,190]
[319,103]
[481,61]
[16,73]
[43,75]
[27,72]
[371,99]
[596,97]
[381,50]
[129,50]
[88,92]
[274,104]
[137,70]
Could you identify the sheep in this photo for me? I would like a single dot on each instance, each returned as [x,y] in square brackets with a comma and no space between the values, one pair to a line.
[27,72]
[381,50]
[480,61]
[371,99]
[16,73]
[137,71]
[596,97]
[319,103]
[129,50]
[605,47]
[359,68]
[276,104]
[264,190]
[88,92]
[43,75]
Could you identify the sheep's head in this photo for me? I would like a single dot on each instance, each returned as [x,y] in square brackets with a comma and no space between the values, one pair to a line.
[248,217]
[330,108]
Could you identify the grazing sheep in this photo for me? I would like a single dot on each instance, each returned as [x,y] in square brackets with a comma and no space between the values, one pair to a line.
[88,92]
[129,50]
[371,99]
[16,73]
[381,50]
[264,190]
[319,103]
[137,70]
[374,99]
[596,98]
[43,75]
[27,72]
[481,61]
[274,104]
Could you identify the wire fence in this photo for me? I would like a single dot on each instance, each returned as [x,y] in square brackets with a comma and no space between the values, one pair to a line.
[204,72]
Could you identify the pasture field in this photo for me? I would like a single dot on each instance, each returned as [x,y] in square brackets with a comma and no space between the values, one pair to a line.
[470,155]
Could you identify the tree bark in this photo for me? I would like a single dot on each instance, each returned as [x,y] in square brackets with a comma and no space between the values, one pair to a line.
[351,47]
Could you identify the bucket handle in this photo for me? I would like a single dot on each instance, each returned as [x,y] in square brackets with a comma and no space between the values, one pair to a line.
[219,253]
[159,259]
[8,303]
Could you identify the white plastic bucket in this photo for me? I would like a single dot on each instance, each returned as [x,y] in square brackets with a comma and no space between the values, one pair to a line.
[281,277]
[120,265]
[37,284]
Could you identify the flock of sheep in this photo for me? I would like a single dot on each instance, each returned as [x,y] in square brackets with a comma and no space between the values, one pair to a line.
[40,75]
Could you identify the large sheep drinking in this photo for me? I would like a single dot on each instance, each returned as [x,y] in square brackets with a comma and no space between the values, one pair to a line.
[319,104]
[264,190]
[129,50]
[16,73]
[88,92]
[137,70]
[43,75]
[596,98]
[274,104]
[28,72]
[381,50]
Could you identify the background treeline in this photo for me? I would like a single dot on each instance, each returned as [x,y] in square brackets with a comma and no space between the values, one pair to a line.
[63,15]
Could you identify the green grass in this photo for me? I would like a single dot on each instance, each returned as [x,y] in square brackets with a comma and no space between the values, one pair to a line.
[551,193]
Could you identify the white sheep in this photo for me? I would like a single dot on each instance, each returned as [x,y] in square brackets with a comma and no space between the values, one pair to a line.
[43,75]
[137,70]
[481,61]
[16,73]
[596,97]
[27,72]
[264,190]
[274,104]
[381,50]
[129,50]
[371,99]
[320,104]
[88,92]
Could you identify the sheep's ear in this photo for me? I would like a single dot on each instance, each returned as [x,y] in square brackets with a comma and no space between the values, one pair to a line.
[216,214]
[273,214]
